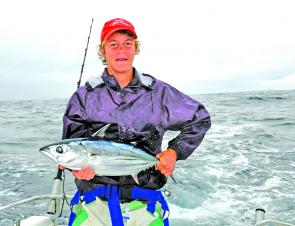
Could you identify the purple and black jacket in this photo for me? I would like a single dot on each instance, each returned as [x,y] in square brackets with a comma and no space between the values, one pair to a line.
[141,112]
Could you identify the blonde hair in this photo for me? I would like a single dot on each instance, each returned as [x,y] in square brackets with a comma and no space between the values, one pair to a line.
[101,46]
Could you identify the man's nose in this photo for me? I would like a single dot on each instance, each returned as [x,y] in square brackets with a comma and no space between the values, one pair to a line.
[121,47]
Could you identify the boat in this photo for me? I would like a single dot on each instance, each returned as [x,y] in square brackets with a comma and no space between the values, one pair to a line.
[51,218]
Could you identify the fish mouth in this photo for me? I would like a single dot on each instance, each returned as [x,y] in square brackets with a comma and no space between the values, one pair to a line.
[45,151]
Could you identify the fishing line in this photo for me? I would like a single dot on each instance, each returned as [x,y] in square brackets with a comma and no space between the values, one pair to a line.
[64,198]
[63,189]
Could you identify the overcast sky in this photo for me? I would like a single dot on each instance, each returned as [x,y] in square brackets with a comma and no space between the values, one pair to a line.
[197,46]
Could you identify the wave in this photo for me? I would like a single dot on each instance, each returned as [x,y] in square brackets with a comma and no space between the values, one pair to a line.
[255,98]
[266,98]
[286,124]
[273,119]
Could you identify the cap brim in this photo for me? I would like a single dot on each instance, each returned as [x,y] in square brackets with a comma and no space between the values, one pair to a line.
[118,29]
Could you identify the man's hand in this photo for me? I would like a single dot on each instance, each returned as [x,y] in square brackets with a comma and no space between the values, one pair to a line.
[85,173]
[167,162]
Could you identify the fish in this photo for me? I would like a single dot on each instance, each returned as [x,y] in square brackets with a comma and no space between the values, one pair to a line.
[105,157]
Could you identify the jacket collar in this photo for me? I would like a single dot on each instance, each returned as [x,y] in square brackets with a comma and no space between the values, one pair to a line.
[138,80]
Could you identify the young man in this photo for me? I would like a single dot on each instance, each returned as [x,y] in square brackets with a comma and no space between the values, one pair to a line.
[140,109]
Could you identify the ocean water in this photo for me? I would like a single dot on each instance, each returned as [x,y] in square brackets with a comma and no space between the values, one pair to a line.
[246,160]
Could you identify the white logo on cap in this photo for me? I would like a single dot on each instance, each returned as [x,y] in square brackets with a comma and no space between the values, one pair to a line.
[119,22]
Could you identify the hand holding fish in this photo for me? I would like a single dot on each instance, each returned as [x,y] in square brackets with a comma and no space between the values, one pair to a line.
[167,162]
[85,173]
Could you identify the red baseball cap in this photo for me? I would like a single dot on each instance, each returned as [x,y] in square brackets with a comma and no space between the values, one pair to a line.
[115,25]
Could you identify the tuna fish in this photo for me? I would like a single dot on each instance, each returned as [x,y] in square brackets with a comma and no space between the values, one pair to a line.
[105,157]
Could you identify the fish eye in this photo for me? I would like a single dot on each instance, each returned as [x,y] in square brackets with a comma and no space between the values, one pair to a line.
[59,149]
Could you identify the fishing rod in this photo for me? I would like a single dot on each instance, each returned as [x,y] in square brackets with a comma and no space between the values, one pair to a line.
[57,184]
[82,67]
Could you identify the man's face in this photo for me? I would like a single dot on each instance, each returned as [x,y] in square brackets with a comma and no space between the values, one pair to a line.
[119,53]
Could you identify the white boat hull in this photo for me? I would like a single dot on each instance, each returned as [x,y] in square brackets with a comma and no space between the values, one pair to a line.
[36,221]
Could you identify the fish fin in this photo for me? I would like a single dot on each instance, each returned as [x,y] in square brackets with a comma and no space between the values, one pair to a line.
[135,178]
[172,177]
[101,132]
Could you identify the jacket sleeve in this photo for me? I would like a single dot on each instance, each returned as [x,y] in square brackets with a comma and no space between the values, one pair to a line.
[74,123]
[184,114]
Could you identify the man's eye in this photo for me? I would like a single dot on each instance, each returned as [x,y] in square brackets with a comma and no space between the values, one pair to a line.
[113,45]
[128,44]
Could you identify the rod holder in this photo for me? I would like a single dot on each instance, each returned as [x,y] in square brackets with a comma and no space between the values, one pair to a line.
[259,215]
[54,204]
